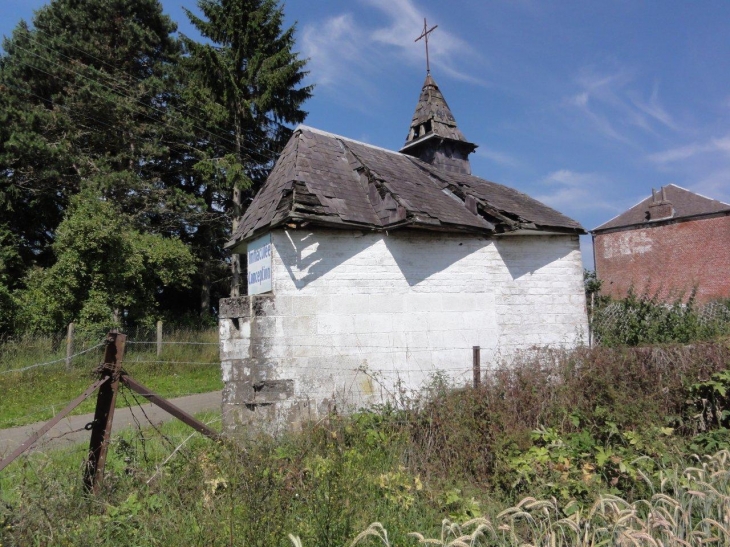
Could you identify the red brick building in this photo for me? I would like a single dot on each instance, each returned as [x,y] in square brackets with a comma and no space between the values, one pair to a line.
[672,242]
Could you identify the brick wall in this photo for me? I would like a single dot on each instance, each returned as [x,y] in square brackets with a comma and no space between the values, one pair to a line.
[362,318]
[668,260]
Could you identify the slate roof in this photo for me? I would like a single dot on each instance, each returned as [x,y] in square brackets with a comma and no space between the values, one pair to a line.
[432,107]
[685,205]
[330,180]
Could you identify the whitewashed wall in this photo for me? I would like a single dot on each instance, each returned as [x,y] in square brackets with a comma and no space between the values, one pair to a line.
[357,318]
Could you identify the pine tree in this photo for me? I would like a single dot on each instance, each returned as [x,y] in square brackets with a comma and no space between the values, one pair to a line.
[253,77]
[89,88]
[86,105]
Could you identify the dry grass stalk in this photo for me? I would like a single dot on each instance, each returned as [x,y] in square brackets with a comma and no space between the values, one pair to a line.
[691,508]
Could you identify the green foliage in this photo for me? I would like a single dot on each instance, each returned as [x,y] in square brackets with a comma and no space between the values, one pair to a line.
[97,96]
[592,447]
[84,90]
[9,261]
[591,284]
[571,424]
[643,320]
[251,70]
[106,272]
[247,80]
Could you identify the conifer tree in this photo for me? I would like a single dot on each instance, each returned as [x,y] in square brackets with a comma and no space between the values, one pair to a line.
[253,77]
[86,107]
[88,87]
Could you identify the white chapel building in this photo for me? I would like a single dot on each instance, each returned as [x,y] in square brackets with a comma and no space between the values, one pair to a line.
[370,271]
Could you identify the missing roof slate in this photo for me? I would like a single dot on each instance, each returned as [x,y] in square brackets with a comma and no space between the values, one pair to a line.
[337,181]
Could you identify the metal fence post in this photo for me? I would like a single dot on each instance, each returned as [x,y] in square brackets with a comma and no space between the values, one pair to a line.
[101,427]
[477,366]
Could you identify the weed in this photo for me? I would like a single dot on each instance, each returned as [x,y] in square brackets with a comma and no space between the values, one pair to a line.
[582,448]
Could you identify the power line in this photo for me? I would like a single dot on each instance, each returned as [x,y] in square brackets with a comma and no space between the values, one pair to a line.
[138,79]
[178,343]
[268,154]
[90,117]
[116,91]
[172,145]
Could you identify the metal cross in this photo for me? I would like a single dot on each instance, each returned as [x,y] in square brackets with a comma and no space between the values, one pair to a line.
[424,35]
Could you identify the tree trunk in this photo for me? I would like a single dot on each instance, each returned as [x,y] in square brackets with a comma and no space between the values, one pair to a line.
[236,258]
[205,291]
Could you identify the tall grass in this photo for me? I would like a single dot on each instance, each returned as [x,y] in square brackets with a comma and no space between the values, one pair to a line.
[691,507]
[585,448]
[572,420]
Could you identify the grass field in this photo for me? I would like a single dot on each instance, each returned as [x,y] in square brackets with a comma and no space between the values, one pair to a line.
[606,446]
[340,483]
[189,363]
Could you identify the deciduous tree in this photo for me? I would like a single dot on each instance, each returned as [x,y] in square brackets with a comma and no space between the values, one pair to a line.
[106,272]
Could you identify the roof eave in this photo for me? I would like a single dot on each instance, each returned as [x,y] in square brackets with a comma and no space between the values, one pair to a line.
[421,140]
[658,222]
[522,230]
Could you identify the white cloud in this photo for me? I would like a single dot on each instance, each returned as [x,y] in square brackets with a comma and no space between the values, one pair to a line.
[688,151]
[609,102]
[317,45]
[653,109]
[715,185]
[575,194]
[566,177]
[345,54]
[501,158]
[405,18]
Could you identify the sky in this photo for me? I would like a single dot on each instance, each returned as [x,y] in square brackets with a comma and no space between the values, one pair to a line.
[583,105]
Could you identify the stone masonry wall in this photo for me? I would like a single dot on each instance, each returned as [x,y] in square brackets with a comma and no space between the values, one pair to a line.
[669,260]
[356,319]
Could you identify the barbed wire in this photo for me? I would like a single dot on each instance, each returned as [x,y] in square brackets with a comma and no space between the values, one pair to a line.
[361,351]
[134,362]
[32,412]
[176,343]
[55,361]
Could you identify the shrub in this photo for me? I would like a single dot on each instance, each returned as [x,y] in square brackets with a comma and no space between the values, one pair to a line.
[643,320]
[568,424]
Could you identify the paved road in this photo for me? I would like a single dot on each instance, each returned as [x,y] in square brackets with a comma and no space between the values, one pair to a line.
[13,437]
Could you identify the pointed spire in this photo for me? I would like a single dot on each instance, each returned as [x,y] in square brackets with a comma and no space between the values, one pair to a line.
[434,136]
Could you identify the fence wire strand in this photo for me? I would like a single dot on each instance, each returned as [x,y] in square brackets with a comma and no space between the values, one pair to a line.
[61,360]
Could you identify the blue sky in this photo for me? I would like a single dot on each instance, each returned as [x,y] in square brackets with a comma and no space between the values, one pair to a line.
[584,105]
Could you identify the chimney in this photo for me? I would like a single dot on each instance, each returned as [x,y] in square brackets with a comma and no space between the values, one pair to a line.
[660,207]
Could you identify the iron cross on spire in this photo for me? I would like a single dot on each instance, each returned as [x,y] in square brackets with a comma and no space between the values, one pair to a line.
[424,35]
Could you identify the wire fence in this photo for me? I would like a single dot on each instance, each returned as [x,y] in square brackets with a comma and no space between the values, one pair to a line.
[14,354]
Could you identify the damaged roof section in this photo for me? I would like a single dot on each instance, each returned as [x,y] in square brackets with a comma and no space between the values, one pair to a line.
[325,179]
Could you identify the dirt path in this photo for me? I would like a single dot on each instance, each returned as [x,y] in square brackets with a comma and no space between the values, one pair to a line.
[65,433]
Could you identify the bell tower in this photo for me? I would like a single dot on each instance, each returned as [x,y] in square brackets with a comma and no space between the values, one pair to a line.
[434,136]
